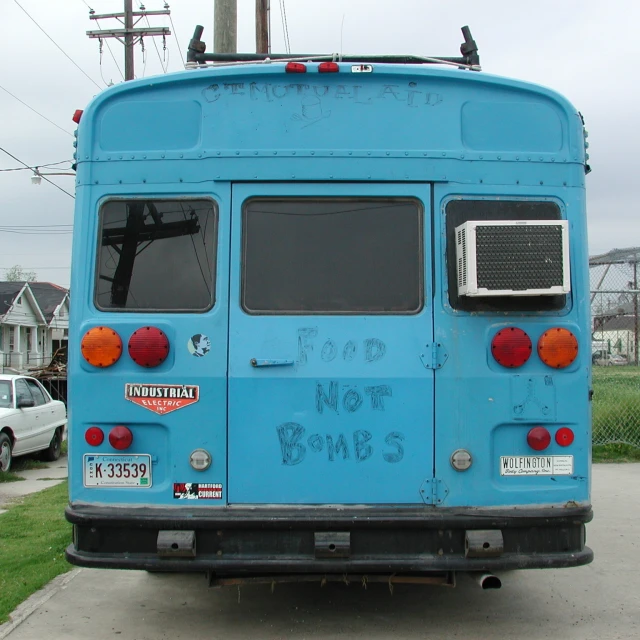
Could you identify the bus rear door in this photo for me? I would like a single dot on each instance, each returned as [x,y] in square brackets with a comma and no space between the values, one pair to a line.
[330,367]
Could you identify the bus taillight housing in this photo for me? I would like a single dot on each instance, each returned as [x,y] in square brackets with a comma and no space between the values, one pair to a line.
[148,347]
[558,347]
[511,347]
[120,437]
[101,347]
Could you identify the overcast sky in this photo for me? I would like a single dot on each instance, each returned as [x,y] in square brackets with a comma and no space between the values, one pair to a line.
[585,49]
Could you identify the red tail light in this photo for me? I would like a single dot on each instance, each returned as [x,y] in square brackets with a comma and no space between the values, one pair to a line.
[328,67]
[564,436]
[539,438]
[511,347]
[148,347]
[120,438]
[94,436]
[295,67]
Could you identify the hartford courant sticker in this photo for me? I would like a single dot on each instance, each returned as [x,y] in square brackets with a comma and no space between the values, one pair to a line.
[162,398]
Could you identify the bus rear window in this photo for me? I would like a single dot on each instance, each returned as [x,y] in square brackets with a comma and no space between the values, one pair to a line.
[332,256]
[156,255]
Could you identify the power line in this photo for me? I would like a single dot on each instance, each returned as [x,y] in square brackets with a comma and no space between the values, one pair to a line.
[39,166]
[57,45]
[175,33]
[36,112]
[43,177]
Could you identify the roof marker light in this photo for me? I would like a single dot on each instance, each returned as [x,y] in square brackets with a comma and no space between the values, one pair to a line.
[328,67]
[77,115]
[296,67]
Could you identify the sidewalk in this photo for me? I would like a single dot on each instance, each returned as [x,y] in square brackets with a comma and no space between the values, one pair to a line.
[48,475]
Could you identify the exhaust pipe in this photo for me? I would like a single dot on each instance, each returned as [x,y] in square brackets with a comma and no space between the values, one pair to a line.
[487,580]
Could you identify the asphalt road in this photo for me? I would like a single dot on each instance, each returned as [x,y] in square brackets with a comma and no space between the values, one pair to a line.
[601,600]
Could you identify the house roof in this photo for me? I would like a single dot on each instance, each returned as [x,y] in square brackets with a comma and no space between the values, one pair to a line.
[8,293]
[48,296]
[621,323]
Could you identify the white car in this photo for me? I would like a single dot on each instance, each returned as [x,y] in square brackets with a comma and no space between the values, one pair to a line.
[30,420]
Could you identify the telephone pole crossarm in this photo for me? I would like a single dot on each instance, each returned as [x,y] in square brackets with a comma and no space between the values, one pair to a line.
[120,33]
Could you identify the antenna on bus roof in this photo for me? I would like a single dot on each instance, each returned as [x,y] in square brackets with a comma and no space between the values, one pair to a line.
[469,49]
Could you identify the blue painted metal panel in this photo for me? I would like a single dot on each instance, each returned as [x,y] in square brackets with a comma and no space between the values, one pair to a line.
[488,409]
[97,396]
[351,421]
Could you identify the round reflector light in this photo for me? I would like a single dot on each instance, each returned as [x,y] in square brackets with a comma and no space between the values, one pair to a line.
[200,459]
[101,346]
[511,347]
[94,436]
[558,347]
[461,460]
[564,436]
[539,438]
[120,437]
[148,347]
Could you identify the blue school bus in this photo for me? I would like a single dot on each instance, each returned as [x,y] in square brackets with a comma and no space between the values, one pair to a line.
[330,318]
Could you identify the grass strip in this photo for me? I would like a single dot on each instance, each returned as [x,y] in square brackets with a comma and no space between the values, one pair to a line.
[33,537]
[9,476]
[615,452]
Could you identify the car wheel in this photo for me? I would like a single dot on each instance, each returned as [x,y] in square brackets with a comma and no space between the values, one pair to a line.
[52,452]
[5,453]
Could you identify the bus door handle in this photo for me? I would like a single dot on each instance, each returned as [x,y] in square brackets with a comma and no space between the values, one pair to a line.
[270,362]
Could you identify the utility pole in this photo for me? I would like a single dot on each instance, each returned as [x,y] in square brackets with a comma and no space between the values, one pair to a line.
[225,26]
[262,26]
[129,36]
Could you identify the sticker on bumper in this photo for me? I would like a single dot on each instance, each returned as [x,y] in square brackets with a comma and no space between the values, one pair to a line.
[536,465]
[197,491]
[162,398]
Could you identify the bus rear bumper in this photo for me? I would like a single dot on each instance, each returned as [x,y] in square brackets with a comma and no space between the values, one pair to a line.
[253,541]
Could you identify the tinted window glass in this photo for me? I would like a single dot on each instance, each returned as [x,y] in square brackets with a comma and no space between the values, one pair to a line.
[332,256]
[156,255]
[460,211]
[22,391]
[36,392]
[5,395]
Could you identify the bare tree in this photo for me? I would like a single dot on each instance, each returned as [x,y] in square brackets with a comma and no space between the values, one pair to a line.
[18,274]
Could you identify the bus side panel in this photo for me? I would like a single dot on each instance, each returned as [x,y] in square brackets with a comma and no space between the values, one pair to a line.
[488,409]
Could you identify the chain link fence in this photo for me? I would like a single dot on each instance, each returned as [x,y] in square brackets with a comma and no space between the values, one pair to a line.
[615,333]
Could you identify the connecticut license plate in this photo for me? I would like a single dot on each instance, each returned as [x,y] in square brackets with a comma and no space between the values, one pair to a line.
[536,465]
[117,470]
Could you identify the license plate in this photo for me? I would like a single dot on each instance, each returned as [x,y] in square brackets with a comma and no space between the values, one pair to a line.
[536,465]
[117,470]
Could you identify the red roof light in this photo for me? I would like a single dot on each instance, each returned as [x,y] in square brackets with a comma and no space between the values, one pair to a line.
[77,115]
[295,67]
[328,67]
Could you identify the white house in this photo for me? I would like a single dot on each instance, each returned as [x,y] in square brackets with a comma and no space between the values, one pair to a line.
[34,318]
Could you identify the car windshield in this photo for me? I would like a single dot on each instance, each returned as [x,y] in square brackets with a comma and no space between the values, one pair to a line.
[5,394]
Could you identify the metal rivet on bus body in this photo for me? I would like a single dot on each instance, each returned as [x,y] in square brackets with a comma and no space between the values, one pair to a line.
[517,157]
[237,153]
[350,153]
[120,157]
[481,157]
[181,180]
[145,157]
[330,153]
[406,153]
[387,153]
[368,153]
[144,180]
[499,157]
[133,157]
[313,153]
[293,153]
[461,460]
[218,153]
[541,158]
[162,156]
[541,182]
[119,181]
[443,154]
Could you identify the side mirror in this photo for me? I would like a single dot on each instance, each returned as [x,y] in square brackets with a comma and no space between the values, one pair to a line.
[25,403]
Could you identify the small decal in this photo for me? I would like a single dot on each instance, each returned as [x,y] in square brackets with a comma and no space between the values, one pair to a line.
[199,345]
[162,398]
[197,491]
[361,68]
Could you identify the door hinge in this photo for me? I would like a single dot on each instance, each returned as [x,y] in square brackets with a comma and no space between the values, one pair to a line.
[434,356]
[434,491]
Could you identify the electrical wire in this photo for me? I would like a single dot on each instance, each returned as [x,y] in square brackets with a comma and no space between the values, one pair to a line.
[40,166]
[43,177]
[57,45]
[175,33]
[285,27]
[36,112]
